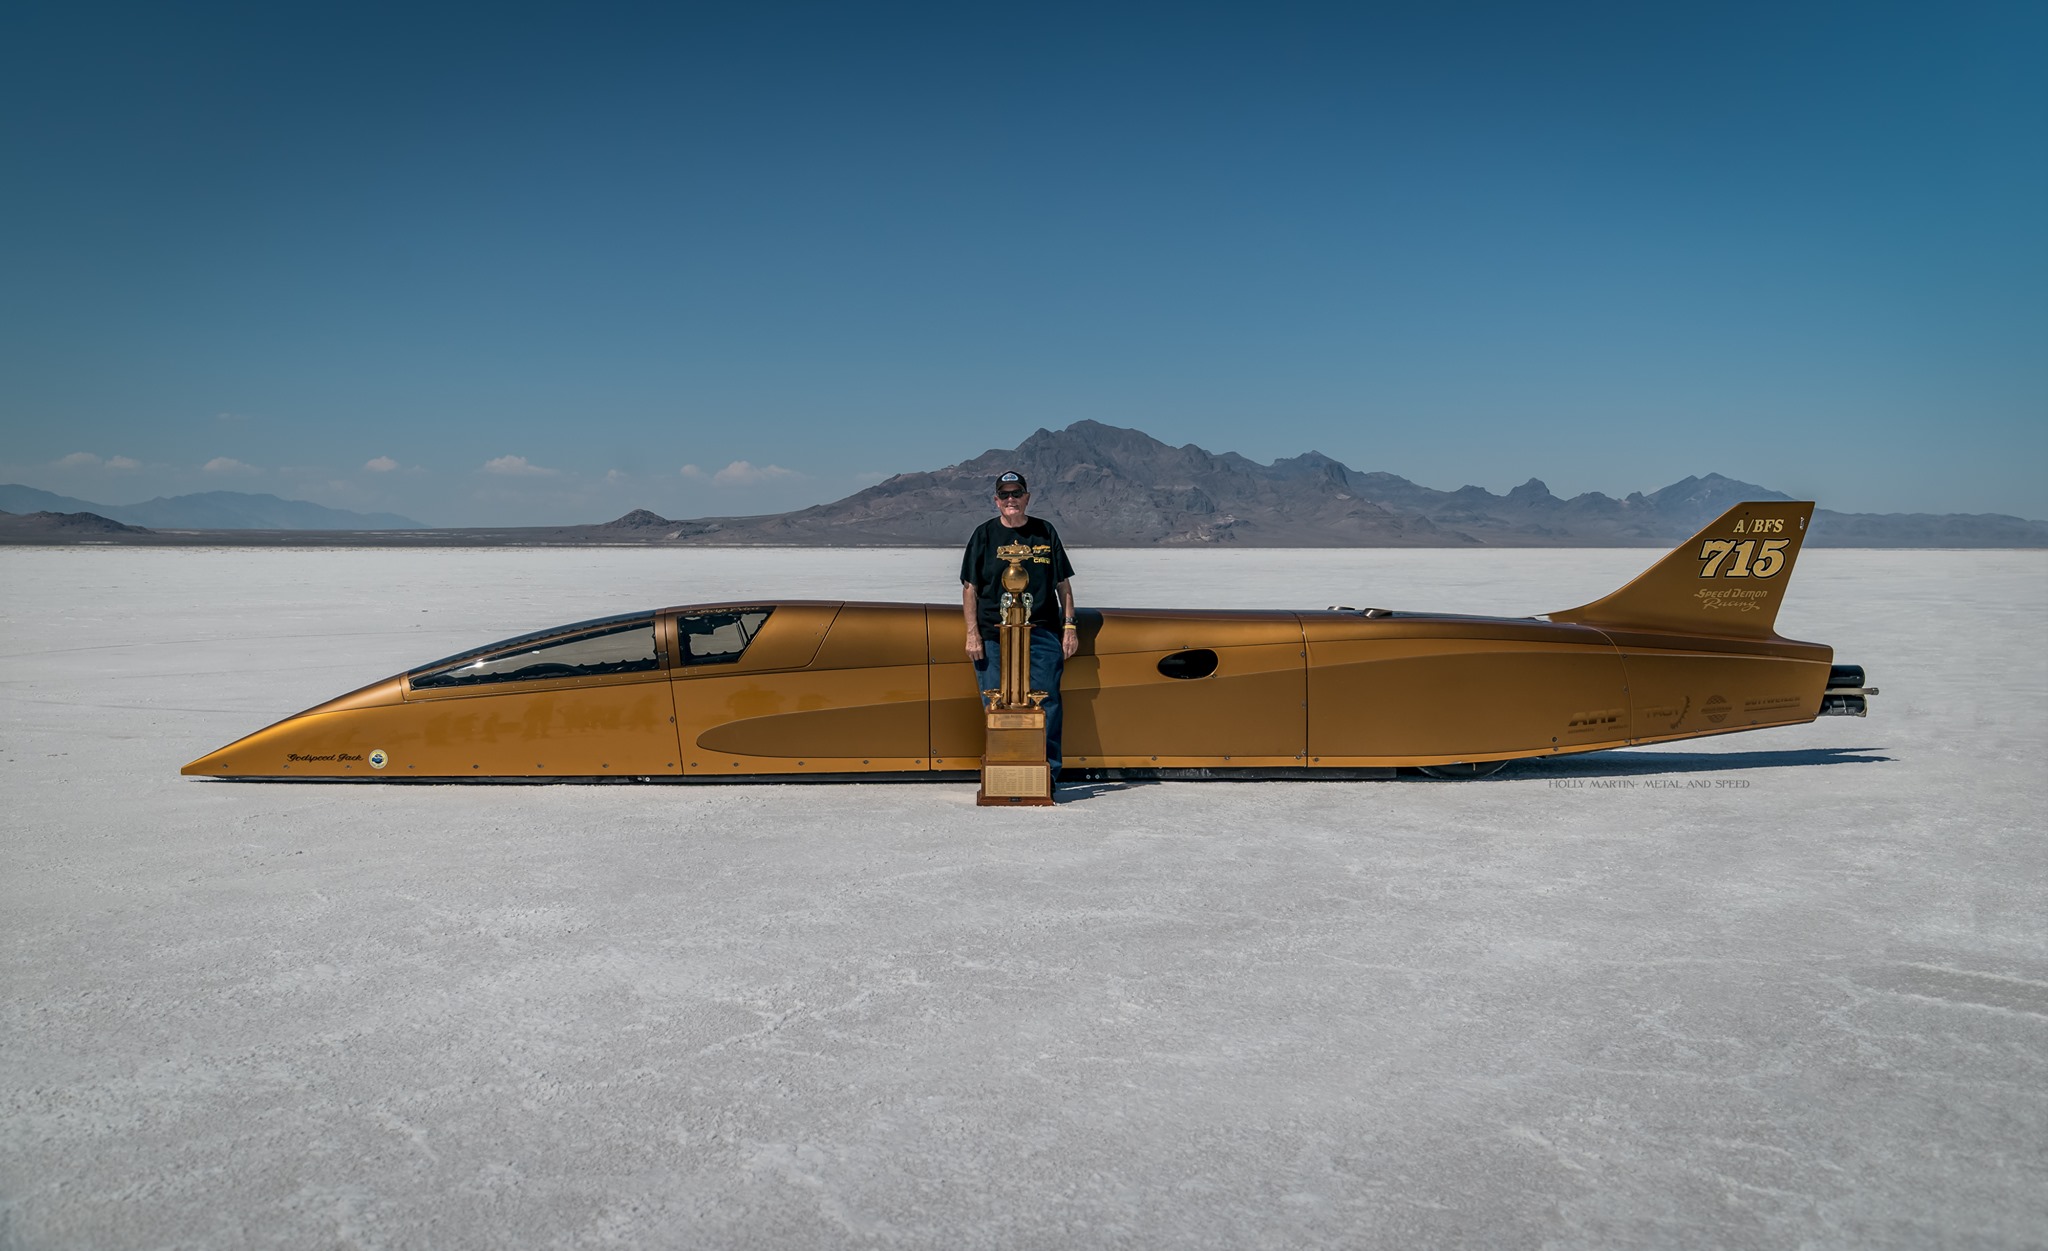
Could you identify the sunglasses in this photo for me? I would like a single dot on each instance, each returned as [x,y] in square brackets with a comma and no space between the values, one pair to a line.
[1011,495]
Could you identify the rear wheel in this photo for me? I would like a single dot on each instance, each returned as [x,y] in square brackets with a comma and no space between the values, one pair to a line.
[1462,770]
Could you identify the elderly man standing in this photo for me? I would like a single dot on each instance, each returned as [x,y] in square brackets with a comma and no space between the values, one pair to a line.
[1053,635]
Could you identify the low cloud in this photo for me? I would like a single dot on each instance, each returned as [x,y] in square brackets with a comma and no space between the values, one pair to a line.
[516,467]
[380,464]
[746,473]
[86,460]
[693,473]
[615,476]
[228,465]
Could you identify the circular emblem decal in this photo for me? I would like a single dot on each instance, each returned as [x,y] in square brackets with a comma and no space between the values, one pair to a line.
[378,759]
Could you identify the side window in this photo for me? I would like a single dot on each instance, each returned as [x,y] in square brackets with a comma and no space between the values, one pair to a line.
[718,638]
[615,648]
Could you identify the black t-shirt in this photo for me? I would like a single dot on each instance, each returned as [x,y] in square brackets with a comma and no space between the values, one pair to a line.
[983,569]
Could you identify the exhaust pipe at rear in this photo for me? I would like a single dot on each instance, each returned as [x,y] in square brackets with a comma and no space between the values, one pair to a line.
[1846,695]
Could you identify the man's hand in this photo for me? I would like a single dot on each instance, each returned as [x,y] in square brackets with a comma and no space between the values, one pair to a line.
[970,615]
[1070,638]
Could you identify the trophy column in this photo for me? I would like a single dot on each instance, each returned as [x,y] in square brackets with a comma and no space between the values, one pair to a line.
[1013,764]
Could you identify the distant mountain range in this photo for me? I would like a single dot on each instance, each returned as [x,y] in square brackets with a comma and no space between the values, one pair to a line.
[210,510]
[64,527]
[1107,486]
[1103,486]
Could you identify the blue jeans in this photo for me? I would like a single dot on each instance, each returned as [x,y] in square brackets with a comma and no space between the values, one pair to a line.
[1046,664]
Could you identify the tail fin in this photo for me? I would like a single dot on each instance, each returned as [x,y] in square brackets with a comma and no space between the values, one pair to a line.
[1726,580]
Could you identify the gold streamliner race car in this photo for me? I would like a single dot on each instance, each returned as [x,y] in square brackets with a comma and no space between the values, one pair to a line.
[822,688]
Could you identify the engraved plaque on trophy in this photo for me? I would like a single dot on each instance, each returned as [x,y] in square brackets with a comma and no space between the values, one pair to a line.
[1013,764]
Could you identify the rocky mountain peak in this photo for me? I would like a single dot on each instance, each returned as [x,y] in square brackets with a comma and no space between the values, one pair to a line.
[1710,494]
[640,519]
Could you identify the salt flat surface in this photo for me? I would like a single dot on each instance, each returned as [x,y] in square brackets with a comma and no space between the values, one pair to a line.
[1784,988]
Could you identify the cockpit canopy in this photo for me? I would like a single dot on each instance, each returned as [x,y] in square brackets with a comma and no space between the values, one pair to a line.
[628,643]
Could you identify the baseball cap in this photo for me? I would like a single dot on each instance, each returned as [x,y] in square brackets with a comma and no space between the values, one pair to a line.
[1012,481]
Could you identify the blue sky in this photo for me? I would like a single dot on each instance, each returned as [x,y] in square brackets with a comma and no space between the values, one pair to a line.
[524,263]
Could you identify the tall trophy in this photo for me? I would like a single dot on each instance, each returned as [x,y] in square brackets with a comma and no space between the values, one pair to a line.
[1013,764]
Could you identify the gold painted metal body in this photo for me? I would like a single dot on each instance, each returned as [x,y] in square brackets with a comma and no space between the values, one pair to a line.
[1014,770]
[826,688]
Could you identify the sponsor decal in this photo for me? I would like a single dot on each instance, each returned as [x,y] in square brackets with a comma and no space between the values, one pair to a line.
[333,757]
[1715,710]
[1673,713]
[1735,599]
[1769,702]
[1762,525]
[378,759]
[1600,719]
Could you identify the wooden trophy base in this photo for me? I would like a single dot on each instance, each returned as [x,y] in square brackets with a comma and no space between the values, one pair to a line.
[1014,771]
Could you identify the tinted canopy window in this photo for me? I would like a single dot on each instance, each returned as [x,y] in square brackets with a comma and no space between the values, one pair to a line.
[717,638]
[601,648]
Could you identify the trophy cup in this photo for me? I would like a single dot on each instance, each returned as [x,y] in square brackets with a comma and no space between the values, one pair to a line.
[1013,764]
